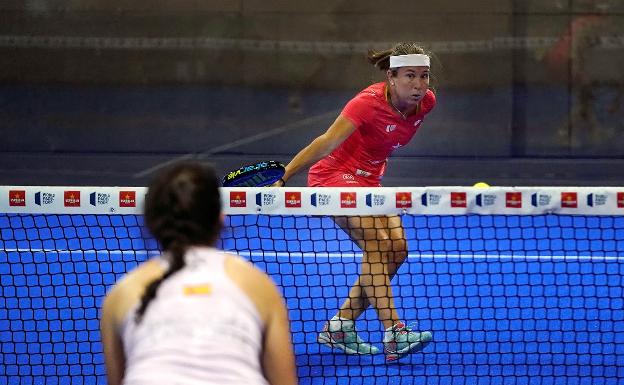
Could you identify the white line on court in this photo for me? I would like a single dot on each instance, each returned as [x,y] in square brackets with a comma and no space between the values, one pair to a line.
[240,142]
[350,255]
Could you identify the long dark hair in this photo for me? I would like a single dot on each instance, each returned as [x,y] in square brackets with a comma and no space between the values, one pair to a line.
[182,209]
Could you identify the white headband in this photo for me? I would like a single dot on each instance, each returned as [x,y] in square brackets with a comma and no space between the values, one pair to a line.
[415,60]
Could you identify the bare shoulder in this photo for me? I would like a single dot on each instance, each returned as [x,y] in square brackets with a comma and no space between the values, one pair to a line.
[244,270]
[256,284]
[127,291]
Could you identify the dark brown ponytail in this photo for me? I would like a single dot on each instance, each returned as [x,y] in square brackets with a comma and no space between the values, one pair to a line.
[182,209]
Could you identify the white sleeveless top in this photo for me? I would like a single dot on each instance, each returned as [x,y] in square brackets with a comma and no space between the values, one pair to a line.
[199,329]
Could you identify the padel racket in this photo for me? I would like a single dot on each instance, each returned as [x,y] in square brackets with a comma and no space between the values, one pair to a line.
[255,175]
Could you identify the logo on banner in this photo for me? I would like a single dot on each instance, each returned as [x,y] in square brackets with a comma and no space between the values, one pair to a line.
[513,200]
[403,200]
[292,199]
[238,199]
[429,199]
[320,199]
[127,199]
[569,200]
[458,199]
[99,199]
[374,200]
[17,198]
[265,199]
[44,198]
[483,200]
[71,198]
[348,200]
[620,200]
[538,200]
[596,200]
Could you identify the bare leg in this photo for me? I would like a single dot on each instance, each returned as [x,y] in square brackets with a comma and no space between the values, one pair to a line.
[382,241]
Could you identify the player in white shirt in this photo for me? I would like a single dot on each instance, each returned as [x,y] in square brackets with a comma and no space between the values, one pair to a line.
[195,315]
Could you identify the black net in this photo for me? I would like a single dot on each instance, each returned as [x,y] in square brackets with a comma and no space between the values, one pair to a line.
[508,299]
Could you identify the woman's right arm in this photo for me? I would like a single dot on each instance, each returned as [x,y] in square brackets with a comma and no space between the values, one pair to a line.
[277,357]
[114,356]
[321,146]
[278,360]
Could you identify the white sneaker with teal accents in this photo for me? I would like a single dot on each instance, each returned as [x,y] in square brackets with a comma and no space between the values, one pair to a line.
[345,338]
[400,340]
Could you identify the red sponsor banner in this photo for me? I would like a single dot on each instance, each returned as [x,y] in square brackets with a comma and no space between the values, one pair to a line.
[17,198]
[458,199]
[127,199]
[569,200]
[292,199]
[71,198]
[620,199]
[403,200]
[238,199]
[348,200]
[513,200]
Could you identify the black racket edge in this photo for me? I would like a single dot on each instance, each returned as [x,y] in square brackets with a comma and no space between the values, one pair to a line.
[257,174]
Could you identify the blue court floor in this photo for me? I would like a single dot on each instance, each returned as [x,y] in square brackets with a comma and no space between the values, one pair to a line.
[509,300]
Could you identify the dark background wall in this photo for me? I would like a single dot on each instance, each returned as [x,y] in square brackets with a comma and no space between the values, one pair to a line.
[104,92]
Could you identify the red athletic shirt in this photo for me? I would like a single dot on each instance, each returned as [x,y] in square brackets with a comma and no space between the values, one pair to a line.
[379,131]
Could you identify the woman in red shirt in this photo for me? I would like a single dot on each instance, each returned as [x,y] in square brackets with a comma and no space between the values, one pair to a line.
[354,152]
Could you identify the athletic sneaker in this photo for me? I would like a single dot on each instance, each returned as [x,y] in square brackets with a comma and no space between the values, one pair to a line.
[400,340]
[345,338]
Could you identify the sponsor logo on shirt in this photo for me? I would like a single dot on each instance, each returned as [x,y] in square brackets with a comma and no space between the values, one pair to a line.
[200,289]
[363,173]
[403,200]
[71,198]
[99,199]
[375,200]
[596,200]
[127,199]
[292,199]
[238,199]
[569,200]
[348,200]
[320,199]
[44,198]
[513,200]
[17,198]
[458,199]
[390,127]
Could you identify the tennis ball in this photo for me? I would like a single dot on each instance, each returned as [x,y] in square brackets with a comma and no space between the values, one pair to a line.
[481,185]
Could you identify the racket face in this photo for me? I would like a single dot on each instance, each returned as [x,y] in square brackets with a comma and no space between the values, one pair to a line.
[255,175]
